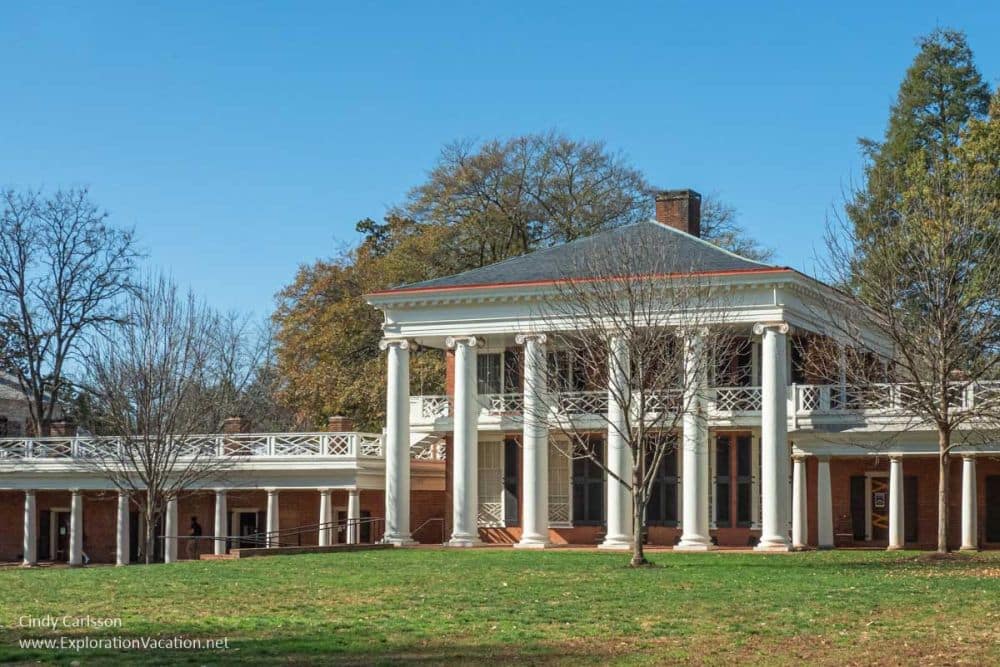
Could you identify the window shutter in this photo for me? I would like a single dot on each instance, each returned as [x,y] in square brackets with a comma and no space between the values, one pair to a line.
[491,483]
[559,483]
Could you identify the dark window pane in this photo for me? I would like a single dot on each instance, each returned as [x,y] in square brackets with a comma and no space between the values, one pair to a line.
[488,373]
[743,504]
[722,457]
[743,456]
[512,371]
[722,500]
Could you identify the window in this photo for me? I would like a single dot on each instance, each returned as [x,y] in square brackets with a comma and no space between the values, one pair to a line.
[491,505]
[559,482]
[488,365]
[511,465]
[560,371]
[733,480]
[734,368]
[512,380]
[588,488]
[662,507]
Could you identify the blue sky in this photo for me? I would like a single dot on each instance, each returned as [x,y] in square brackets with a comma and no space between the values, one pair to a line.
[243,139]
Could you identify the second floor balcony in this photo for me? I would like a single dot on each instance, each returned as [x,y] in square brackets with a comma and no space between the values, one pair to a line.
[807,406]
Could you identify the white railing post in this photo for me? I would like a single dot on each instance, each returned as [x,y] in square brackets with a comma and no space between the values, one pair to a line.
[824,398]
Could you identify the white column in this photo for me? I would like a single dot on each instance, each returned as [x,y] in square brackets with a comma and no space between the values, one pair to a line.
[535,473]
[221,523]
[273,518]
[353,516]
[970,538]
[619,535]
[76,529]
[800,504]
[824,504]
[465,449]
[122,541]
[325,517]
[773,437]
[30,529]
[397,443]
[170,532]
[897,535]
[695,534]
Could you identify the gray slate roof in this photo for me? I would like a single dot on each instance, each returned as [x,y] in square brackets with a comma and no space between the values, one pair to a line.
[658,250]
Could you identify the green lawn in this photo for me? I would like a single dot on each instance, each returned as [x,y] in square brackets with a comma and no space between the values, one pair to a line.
[487,605]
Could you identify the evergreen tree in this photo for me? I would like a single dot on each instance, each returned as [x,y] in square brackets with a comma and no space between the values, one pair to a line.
[940,95]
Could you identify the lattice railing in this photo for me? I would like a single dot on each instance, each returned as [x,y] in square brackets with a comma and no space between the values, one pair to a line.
[433,450]
[583,402]
[431,407]
[737,399]
[502,404]
[239,445]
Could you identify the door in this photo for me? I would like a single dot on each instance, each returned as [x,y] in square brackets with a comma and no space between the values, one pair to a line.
[247,525]
[880,509]
[993,508]
[62,536]
[43,547]
[365,536]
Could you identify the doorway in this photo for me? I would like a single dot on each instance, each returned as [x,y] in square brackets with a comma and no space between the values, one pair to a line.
[993,508]
[245,524]
[365,534]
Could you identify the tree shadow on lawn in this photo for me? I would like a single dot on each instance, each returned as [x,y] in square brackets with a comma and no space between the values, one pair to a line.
[311,651]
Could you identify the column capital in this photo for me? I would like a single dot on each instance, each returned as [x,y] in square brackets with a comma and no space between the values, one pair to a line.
[780,327]
[823,458]
[271,489]
[968,457]
[401,343]
[29,492]
[523,338]
[75,492]
[454,341]
[895,456]
[798,456]
[324,489]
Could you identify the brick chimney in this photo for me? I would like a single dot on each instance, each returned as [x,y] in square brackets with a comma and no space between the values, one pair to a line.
[339,424]
[236,425]
[680,209]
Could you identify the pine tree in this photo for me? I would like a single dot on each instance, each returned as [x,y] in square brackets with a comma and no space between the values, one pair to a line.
[941,94]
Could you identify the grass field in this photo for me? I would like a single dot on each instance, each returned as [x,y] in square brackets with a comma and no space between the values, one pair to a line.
[489,605]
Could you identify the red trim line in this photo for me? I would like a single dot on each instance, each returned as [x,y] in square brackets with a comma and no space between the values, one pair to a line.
[524,283]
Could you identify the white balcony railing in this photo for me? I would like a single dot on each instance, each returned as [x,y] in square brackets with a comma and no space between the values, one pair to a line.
[251,445]
[804,400]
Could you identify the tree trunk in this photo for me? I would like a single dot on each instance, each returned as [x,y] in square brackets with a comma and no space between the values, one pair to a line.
[639,501]
[150,532]
[944,461]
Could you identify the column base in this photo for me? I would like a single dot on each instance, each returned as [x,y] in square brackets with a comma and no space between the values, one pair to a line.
[616,544]
[773,544]
[400,540]
[694,543]
[825,547]
[26,564]
[968,547]
[463,541]
[894,547]
[532,543]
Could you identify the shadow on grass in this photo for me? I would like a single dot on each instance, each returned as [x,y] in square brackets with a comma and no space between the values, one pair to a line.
[307,651]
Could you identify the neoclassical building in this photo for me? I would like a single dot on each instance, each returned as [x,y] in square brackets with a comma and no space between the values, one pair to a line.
[770,457]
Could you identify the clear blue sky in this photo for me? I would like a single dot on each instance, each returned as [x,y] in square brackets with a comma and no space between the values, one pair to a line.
[243,140]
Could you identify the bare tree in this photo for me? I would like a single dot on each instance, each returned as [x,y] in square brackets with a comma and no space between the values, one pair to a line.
[157,382]
[643,326]
[926,284]
[62,269]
